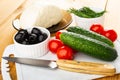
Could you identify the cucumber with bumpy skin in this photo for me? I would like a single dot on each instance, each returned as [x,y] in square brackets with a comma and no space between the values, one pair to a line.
[91,34]
[89,46]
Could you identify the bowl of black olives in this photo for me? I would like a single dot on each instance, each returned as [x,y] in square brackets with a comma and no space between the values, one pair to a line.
[31,42]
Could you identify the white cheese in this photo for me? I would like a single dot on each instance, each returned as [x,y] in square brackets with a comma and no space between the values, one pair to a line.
[40,15]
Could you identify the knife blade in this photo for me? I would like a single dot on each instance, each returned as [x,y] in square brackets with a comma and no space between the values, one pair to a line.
[33,62]
[69,65]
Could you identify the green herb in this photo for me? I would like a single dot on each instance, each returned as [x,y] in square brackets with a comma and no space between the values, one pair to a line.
[86,12]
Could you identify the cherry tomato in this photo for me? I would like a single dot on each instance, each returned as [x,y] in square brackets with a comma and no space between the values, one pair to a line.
[65,52]
[111,34]
[97,28]
[54,44]
[57,35]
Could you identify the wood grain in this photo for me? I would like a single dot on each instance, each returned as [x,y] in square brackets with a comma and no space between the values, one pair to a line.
[8,14]
[6,29]
[8,8]
[86,67]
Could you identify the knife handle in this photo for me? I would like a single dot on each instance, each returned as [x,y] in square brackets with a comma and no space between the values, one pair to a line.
[86,67]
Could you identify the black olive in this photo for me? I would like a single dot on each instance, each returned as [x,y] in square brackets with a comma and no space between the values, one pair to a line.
[36,31]
[45,36]
[19,37]
[40,38]
[33,38]
[25,41]
[23,31]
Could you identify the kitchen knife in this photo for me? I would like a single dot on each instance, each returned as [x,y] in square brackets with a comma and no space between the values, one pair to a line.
[69,65]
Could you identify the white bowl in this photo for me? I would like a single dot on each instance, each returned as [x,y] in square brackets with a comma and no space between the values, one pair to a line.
[32,50]
[87,22]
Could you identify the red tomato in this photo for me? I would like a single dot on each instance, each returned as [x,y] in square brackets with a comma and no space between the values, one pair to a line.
[111,34]
[57,35]
[54,44]
[65,52]
[97,28]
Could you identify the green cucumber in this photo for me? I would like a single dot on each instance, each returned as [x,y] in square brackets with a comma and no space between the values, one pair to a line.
[91,34]
[89,46]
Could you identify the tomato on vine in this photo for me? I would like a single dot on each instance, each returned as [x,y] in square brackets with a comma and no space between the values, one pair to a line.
[97,28]
[54,44]
[65,52]
[57,35]
[111,34]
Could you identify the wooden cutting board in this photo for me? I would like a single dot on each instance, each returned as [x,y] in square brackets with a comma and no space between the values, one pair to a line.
[7,8]
[8,12]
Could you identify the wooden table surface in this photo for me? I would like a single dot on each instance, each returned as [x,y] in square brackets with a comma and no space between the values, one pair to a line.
[10,9]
